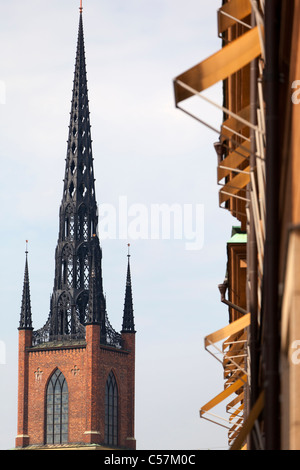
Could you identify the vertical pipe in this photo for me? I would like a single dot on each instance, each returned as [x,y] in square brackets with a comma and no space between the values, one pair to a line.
[271,316]
[252,261]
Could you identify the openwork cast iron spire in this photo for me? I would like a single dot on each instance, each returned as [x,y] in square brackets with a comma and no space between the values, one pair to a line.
[77,297]
[128,318]
[26,317]
[78,213]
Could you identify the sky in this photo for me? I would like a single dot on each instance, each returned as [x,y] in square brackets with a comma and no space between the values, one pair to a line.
[146,154]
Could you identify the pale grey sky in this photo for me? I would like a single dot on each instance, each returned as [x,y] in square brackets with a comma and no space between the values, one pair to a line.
[145,150]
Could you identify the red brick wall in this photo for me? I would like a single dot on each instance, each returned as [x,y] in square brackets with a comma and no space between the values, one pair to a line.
[47,361]
[86,388]
[25,338]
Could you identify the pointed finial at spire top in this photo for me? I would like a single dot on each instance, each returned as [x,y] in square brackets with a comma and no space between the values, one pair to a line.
[25,317]
[80,8]
[128,317]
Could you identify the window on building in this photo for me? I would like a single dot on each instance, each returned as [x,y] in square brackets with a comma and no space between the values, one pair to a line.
[57,409]
[111,411]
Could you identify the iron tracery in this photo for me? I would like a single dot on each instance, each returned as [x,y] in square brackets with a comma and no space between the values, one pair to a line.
[77,296]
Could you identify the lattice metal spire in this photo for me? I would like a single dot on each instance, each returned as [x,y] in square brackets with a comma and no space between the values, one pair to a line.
[26,317]
[79,175]
[77,298]
[128,317]
[78,212]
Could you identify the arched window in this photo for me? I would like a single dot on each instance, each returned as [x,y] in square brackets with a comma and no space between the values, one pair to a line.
[111,411]
[83,225]
[82,268]
[67,266]
[69,233]
[57,409]
[65,325]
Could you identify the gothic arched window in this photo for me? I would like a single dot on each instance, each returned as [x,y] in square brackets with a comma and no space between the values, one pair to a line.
[69,230]
[83,225]
[82,268]
[67,266]
[57,404]
[111,411]
[65,325]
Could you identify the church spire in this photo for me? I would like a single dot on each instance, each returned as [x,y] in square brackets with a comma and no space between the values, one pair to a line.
[78,212]
[79,174]
[25,317]
[128,318]
[77,297]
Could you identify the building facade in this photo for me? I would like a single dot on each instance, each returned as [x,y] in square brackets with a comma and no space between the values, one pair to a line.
[76,383]
[258,65]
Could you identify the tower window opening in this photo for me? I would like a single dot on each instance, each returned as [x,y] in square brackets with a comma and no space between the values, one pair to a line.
[111,411]
[86,273]
[69,233]
[65,324]
[82,268]
[71,227]
[85,227]
[72,189]
[57,404]
[73,167]
[67,267]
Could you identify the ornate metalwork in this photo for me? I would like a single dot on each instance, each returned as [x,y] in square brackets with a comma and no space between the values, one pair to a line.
[112,338]
[46,334]
[77,298]
[42,335]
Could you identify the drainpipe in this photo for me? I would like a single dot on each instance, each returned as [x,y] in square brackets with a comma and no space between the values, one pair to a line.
[252,246]
[271,343]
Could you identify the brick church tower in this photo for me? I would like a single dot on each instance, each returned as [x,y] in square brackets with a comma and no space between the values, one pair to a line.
[76,384]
